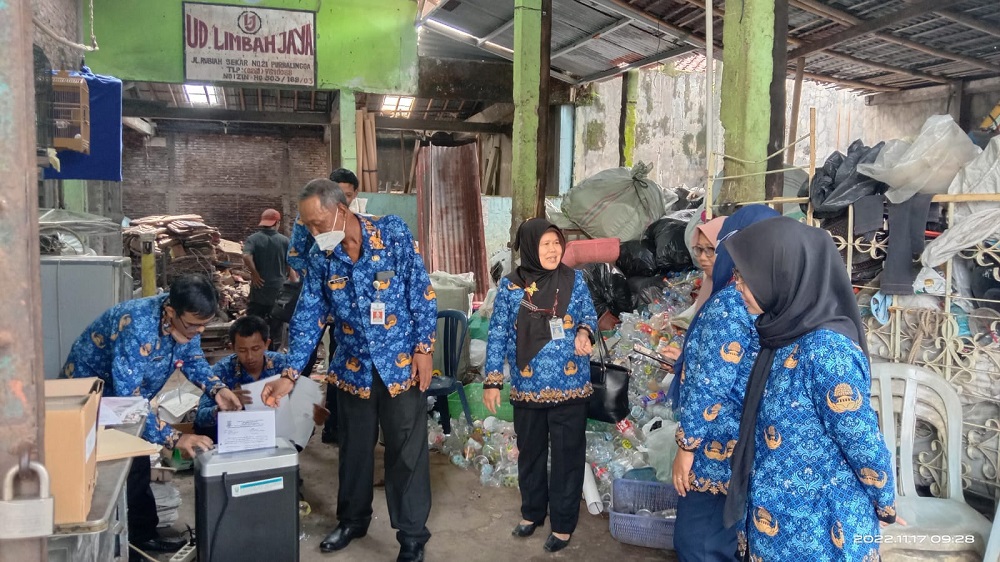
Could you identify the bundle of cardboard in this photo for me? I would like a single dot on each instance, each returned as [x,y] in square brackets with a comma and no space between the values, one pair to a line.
[185,244]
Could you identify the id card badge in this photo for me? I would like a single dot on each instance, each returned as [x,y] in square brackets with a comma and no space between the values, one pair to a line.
[556,329]
[378,314]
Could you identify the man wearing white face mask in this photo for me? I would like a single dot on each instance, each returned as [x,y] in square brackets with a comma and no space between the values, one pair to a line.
[298,248]
[365,278]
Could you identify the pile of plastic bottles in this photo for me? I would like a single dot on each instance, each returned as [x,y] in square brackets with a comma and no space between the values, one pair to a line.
[489,447]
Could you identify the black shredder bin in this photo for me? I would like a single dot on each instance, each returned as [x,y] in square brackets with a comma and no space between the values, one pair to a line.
[247,505]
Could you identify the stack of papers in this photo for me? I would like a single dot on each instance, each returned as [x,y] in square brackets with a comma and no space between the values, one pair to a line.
[294,415]
[122,411]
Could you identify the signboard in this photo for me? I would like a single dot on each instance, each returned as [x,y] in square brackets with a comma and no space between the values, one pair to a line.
[250,45]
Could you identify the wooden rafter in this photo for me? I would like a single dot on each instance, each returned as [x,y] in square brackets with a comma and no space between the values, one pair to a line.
[847,58]
[819,9]
[977,24]
[865,27]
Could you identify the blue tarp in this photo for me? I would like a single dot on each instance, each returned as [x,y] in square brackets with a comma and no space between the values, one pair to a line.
[105,159]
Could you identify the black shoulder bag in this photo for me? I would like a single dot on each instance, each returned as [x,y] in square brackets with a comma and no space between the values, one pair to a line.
[609,402]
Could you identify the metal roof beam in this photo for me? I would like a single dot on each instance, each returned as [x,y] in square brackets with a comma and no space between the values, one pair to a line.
[492,35]
[658,57]
[865,27]
[576,44]
[819,9]
[403,124]
[148,110]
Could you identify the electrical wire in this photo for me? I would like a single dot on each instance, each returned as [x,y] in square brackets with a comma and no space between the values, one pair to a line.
[222,513]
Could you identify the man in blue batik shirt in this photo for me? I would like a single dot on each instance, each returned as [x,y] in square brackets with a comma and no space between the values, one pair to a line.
[250,338]
[134,347]
[366,279]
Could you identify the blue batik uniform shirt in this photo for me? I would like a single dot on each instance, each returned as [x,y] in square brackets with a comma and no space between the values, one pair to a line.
[127,348]
[340,292]
[557,374]
[720,352]
[299,247]
[232,374]
[822,476]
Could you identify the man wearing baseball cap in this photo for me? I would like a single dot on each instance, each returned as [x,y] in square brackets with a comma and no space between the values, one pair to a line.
[264,255]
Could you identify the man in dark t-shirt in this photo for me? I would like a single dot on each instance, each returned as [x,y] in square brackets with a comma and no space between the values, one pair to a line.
[264,255]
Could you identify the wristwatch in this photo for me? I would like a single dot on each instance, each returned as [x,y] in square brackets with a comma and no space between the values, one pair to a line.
[290,375]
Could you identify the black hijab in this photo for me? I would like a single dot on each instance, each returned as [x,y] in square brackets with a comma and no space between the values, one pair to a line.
[800,282]
[533,326]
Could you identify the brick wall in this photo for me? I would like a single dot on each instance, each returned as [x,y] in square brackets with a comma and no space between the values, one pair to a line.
[227,179]
[63,17]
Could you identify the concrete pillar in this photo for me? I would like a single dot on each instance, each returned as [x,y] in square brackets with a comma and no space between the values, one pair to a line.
[21,370]
[630,95]
[348,127]
[567,117]
[531,68]
[745,109]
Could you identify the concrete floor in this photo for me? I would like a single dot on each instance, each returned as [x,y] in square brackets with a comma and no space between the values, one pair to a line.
[468,521]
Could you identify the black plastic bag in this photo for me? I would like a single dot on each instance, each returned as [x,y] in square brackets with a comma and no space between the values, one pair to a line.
[666,238]
[635,259]
[646,290]
[838,183]
[608,289]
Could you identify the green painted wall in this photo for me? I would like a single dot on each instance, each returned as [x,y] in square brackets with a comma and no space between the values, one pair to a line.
[367,45]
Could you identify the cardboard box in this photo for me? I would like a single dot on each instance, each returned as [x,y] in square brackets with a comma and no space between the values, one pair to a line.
[71,444]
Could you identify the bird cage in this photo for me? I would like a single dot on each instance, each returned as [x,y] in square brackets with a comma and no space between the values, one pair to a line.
[71,112]
[44,130]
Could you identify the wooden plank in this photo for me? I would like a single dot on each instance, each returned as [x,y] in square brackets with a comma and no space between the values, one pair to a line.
[793,127]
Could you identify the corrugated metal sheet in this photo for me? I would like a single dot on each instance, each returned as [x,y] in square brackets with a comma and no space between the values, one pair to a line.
[450,212]
[576,19]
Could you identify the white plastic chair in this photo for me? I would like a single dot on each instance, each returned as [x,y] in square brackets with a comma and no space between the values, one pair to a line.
[944,524]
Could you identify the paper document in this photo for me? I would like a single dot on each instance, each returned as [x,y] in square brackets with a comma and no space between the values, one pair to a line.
[294,415]
[122,410]
[245,431]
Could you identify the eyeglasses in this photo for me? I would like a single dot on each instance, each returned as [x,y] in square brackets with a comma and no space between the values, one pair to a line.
[193,327]
[706,251]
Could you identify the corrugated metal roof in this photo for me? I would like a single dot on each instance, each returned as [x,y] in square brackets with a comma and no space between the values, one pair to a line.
[958,40]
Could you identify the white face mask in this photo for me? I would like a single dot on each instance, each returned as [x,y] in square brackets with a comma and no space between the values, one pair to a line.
[355,205]
[327,241]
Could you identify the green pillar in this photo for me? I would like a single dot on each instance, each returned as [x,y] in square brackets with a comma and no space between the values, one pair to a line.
[630,96]
[530,108]
[748,35]
[75,195]
[348,128]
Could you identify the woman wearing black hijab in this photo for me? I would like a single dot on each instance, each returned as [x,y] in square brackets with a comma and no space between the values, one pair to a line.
[812,477]
[542,326]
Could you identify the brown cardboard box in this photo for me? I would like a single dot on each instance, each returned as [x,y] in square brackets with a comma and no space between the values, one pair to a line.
[71,444]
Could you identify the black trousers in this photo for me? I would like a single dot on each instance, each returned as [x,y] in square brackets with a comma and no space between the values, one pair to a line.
[700,535]
[407,466]
[264,311]
[563,429]
[142,517]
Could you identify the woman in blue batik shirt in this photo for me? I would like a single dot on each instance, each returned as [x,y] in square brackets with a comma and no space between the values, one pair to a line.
[812,477]
[542,325]
[718,352]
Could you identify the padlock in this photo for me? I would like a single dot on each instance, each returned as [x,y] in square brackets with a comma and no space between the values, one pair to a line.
[25,518]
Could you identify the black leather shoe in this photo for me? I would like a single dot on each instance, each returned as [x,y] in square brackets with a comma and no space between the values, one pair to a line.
[160,544]
[524,530]
[555,544]
[341,537]
[410,552]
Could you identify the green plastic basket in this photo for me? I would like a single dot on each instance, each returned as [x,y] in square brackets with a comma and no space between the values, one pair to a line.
[474,393]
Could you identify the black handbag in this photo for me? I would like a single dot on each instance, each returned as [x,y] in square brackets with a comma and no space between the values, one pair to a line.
[284,305]
[609,402]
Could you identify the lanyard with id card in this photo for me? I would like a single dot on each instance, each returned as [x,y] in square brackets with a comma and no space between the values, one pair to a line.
[378,307]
